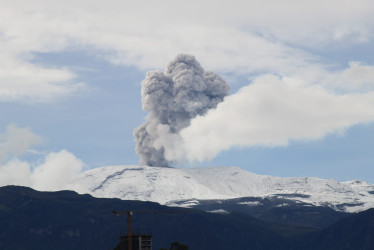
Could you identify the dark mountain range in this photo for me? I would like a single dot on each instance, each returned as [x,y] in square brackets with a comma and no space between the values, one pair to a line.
[275,209]
[355,232]
[66,220]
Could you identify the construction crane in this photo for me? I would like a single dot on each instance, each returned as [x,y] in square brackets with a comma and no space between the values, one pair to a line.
[129,226]
[130,213]
[129,221]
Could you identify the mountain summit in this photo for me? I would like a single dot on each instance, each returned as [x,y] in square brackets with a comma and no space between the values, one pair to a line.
[173,186]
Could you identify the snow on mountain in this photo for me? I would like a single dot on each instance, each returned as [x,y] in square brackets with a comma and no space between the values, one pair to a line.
[167,185]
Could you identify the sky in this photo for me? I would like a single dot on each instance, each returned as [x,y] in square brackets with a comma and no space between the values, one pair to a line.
[301,77]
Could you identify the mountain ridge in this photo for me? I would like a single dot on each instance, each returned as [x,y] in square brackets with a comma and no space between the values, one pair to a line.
[67,220]
[170,186]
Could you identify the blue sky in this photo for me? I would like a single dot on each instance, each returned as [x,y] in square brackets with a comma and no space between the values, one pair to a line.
[71,73]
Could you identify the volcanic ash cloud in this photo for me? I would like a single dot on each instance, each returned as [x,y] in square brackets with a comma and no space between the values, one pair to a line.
[173,98]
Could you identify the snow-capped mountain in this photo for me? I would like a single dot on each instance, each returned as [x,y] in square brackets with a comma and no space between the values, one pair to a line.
[171,186]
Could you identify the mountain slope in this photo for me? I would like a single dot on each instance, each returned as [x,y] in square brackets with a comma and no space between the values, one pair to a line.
[274,210]
[66,220]
[171,185]
[353,232]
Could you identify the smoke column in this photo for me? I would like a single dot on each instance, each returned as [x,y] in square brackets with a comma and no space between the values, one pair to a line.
[173,98]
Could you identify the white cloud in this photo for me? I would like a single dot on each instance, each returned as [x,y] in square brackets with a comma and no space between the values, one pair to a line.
[31,83]
[357,77]
[16,141]
[56,170]
[239,37]
[15,172]
[227,36]
[271,112]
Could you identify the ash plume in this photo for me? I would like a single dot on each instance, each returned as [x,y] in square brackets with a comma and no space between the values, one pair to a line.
[173,98]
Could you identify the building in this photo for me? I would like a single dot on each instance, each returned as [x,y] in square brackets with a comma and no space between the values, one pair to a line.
[139,242]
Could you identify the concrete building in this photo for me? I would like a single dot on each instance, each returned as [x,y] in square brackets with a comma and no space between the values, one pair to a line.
[139,242]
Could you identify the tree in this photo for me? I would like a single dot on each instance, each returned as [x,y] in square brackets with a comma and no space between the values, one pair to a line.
[178,246]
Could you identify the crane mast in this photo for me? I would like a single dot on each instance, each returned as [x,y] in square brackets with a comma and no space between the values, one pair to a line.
[129,226]
[130,213]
